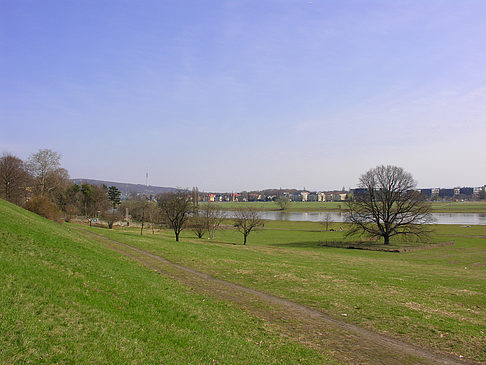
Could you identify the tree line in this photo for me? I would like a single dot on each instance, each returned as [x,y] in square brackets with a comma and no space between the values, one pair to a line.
[42,186]
[387,206]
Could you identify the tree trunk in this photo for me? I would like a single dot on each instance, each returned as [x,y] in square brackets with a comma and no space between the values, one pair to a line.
[177,236]
[143,218]
[387,239]
[244,239]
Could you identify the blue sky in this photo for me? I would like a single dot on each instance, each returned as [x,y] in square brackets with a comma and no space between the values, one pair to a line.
[234,95]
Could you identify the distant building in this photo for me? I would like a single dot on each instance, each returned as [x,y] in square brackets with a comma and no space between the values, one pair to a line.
[313,197]
[446,193]
[427,193]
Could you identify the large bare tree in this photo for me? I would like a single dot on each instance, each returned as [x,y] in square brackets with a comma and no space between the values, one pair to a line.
[388,205]
[13,178]
[45,167]
[246,220]
[175,209]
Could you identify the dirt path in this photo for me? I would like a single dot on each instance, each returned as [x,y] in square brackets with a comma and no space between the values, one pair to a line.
[344,342]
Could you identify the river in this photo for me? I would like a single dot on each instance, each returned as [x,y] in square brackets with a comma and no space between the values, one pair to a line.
[441,218]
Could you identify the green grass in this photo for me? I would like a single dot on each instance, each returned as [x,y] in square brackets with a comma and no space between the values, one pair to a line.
[66,299]
[459,207]
[436,297]
[437,207]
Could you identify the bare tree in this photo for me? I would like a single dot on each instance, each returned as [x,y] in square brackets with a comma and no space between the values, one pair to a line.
[58,182]
[195,197]
[326,220]
[42,165]
[247,219]
[154,216]
[94,200]
[175,210]
[111,216]
[213,218]
[198,225]
[13,178]
[71,204]
[283,202]
[140,211]
[388,205]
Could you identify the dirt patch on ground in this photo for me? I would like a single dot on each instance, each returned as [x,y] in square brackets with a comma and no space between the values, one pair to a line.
[343,341]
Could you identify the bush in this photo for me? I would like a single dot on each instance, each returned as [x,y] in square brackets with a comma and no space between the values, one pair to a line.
[42,206]
[70,211]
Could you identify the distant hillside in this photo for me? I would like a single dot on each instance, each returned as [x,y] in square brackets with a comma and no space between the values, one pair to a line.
[126,188]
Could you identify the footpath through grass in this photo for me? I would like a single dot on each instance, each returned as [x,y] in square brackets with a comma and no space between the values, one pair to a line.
[435,298]
[67,299]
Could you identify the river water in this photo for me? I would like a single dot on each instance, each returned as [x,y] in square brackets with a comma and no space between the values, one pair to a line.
[441,218]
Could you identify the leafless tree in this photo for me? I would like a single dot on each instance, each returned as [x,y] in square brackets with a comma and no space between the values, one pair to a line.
[42,165]
[111,216]
[213,218]
[154,216]
[49,178]
[198,225]
[175,209]
[388,205]
[94,200]
[140,211]
[71,201]
[13,179]
[247,219]
[326,220]
[195,197]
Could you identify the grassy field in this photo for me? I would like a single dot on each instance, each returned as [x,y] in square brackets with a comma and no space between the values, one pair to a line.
[459,207]
[437,207]
[67,299]
[435,298]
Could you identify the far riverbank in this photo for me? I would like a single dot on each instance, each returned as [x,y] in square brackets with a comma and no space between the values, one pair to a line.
[437,207]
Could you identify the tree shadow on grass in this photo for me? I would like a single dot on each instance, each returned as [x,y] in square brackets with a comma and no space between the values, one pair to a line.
[366,245]
[299,244]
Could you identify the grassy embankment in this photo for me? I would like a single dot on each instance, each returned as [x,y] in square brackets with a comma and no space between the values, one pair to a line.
[67,299]
[435,298]
[437,207]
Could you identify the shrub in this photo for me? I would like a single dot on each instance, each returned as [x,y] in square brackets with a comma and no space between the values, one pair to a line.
[42,206]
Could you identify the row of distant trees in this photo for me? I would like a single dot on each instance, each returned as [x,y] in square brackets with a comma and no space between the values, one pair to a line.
[387,206]
[180,210]
[41,185]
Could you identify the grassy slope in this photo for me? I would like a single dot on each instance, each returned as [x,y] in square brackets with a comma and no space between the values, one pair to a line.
[433,297]
[66,299]
[437,207]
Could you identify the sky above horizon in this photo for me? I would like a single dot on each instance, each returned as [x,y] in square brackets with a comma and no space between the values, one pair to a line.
[244,95]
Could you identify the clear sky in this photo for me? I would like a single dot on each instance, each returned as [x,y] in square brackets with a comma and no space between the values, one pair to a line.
[240,95]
